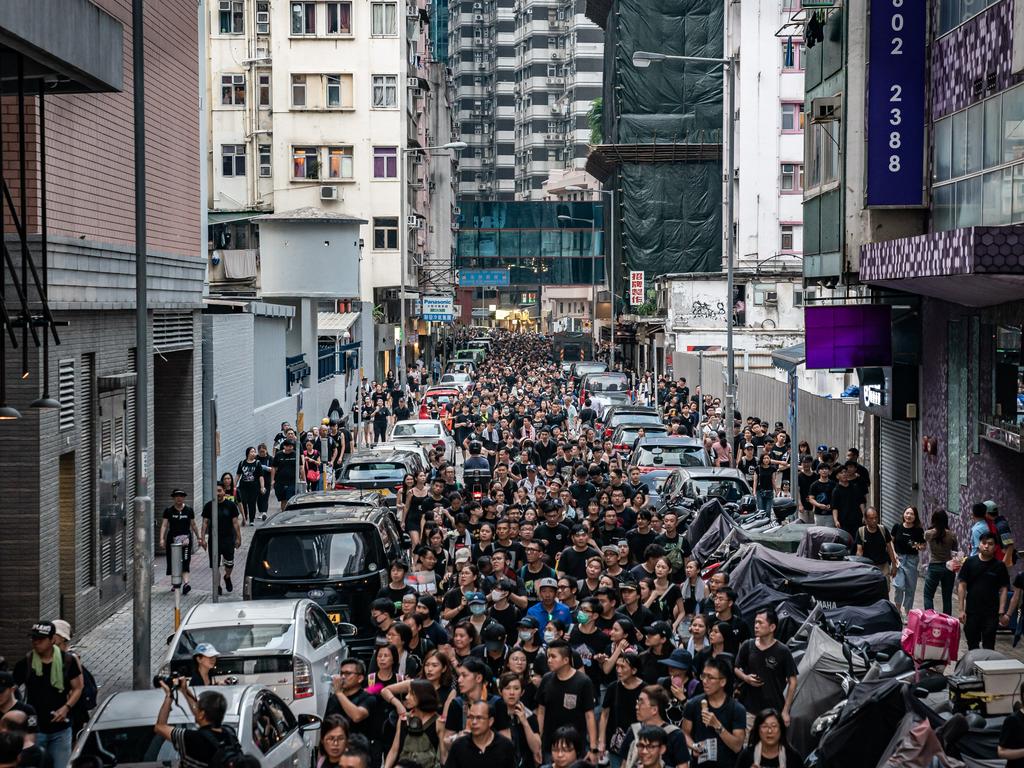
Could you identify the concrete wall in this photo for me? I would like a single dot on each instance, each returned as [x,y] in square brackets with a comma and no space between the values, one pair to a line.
[309,259]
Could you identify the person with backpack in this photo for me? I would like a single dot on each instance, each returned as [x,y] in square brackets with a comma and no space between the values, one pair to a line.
[651,706]
[90,690]
[212,744]
[418,736]
[53,685]
[875,543]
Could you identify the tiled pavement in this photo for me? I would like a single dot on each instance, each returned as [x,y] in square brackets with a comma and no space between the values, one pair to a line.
[107,650]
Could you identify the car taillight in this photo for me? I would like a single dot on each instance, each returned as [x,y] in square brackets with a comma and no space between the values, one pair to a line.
[302,678]
[477,495]
[340,487]
[645,470]
[247,588]
[620,446]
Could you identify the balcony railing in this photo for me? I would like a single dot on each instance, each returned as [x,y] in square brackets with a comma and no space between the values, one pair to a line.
[296,369]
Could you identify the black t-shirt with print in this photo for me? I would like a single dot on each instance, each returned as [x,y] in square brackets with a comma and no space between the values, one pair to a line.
[565,702]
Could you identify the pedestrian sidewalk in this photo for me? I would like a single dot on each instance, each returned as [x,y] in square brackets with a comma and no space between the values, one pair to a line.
[107,650]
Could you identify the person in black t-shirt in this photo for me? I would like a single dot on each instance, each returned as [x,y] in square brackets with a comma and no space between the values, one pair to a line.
[397,588]
[402,411]
[1011,738]
[229,533]
[565,697]
[847,504]
[380,417]
[282,472]
[196,747]
[573,560]
[179,525]
[350,699]
[480,746]
[982,585]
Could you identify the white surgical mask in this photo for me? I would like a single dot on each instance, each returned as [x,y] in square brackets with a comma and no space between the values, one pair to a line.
[549,637]
[497,595]
[525,634]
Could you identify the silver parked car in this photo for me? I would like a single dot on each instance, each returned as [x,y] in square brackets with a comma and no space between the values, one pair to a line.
[290,646]
[120,732]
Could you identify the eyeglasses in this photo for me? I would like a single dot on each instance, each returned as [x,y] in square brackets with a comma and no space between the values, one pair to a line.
[335,739]
[711,678]
[646,746]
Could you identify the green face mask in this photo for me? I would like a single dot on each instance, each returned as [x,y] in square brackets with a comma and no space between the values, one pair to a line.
[582,617]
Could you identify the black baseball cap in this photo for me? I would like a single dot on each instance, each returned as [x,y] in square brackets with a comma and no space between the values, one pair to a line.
[493,637]
[6,680]
[529,622]
[178,492]
[662,628]
[42,630]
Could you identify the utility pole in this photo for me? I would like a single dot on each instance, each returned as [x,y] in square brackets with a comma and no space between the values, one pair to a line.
[142,570]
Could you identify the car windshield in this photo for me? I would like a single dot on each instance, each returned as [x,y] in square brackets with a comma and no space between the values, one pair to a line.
[654,482]
[237,639]
[301,554]
[582,368]
[609,383]
[629,434]
[727,489]
[374,470]
[127,745]
[634,418]
[671,456]
[416,429]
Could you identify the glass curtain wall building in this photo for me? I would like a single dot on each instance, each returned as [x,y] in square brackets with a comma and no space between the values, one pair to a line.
[541,243]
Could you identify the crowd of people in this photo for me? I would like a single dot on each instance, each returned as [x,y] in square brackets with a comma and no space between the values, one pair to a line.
[559,618]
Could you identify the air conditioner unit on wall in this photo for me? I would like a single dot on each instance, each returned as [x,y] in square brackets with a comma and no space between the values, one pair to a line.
[771,297]
[328,193]
[411,221]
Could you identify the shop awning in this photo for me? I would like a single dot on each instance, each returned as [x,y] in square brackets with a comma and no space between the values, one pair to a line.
[335,323]
[789,358]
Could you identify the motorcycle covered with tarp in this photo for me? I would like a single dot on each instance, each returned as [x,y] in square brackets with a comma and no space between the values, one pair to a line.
[830,583]
[709,511]
[819,685]
[722,537]
[816,535]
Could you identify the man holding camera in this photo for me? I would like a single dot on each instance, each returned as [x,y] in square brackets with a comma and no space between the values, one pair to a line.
[197,747]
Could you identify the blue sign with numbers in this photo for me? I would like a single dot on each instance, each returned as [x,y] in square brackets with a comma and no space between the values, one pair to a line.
[484,278]
[896,109]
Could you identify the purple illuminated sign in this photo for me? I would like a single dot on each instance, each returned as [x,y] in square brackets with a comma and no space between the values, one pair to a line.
[895,103]
[852,336]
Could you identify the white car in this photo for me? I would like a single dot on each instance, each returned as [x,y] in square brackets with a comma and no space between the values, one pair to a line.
[461,380]
[421,450]
[289,646]
[430,432]
[460,366]
[120,731]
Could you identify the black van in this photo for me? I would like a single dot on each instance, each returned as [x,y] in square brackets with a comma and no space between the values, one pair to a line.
[337,556]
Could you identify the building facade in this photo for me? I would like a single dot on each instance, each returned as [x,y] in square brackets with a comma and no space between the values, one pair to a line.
[70,472]
[526,75]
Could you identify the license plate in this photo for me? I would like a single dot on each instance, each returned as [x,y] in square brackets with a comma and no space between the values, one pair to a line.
[383,491]
[334,617]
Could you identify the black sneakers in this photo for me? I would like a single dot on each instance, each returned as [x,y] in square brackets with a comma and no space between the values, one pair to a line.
[227,583]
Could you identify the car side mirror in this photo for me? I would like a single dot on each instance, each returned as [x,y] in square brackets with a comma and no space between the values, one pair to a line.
[308,723]
[347,630]
[170,637]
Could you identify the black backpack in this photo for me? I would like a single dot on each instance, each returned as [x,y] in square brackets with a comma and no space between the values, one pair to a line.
[229,750]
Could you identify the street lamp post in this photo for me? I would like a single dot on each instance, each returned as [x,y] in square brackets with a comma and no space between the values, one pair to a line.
[593,287]
[403,237]
[643,59]
[611,263]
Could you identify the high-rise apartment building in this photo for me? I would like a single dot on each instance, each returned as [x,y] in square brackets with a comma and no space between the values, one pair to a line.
[526,74]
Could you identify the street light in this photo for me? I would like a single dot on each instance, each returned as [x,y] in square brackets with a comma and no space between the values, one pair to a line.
[642,60]
[403,235]
[593,280]
[611,262]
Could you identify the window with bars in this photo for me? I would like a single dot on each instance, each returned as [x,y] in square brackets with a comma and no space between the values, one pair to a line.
[262,18]
[339,163]
[266,161]
[385,162]
[232,17]
[232,90]
[232,160]
[339,18]
[385,91]
[66,393]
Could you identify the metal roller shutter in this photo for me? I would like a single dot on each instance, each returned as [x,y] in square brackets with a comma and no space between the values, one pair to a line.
[86,470]
[896,476]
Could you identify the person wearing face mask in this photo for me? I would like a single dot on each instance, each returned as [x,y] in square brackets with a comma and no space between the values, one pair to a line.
[528,638]
[502,610]
[592,645]
[492,648]
[477,603]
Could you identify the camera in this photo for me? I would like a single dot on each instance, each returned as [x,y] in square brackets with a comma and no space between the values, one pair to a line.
[170,680]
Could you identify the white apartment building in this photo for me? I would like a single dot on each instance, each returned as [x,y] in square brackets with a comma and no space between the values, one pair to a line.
[310,105]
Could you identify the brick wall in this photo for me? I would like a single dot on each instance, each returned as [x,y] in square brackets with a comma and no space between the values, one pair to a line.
[90,147]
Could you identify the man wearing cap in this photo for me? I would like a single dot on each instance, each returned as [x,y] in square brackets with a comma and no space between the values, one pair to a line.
[62,639]
[549,608]
[492,648]
[659,647]
[53,684]
[179,525]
